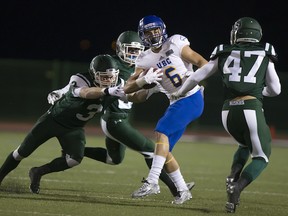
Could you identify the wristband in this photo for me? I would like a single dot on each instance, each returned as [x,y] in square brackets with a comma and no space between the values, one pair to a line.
[105,91]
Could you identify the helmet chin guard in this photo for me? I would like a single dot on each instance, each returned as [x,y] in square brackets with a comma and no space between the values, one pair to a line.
[129,46]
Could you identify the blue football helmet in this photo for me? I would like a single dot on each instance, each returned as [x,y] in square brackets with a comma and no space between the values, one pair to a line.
[152,38]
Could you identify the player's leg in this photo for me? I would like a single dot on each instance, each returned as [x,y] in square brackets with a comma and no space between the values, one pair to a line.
[38,135]
[181,113]
[240,158]
[173,123]
[73,143]
[113,154]
[250,122]
[258,139]
[121,130]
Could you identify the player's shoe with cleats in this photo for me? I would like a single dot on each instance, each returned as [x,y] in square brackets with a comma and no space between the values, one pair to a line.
[146,189]
[229,180]
[35,178]
[233,195]
[182,197]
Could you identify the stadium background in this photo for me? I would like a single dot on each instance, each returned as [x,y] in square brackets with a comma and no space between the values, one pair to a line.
[42,44]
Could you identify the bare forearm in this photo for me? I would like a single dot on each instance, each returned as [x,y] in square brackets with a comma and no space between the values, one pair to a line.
[138,96]
[90,93]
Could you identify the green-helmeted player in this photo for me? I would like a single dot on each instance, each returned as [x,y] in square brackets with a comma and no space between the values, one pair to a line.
[115,120]
[248,74]
[86,95]
[120,134]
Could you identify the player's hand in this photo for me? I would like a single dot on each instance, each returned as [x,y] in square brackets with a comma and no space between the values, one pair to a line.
[116,91]
[53,97]
[153,76]
[175,96]
[202,90]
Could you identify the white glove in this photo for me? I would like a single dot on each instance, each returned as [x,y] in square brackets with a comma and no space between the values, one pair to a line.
[150,77]
[53,97]
[202,90]
[116,91]
[175,96]
[153,76]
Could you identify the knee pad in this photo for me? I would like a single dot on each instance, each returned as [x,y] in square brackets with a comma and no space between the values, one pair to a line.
[16,155]
[71,162]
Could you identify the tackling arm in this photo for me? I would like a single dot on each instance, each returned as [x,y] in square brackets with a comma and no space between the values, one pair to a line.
[200,74]
[273,86]
[97,92]
[57,94]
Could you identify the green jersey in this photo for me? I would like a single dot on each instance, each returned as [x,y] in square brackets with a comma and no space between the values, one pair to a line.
[71,111]
[243,68]
[119,106]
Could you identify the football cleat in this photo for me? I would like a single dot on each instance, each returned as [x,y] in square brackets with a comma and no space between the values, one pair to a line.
[233,196]
[182,197]
[146,189]
[35,178]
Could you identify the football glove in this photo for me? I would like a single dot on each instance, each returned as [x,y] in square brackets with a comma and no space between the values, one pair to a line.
[54,96]
[176,95]
[150,77]
[116,91]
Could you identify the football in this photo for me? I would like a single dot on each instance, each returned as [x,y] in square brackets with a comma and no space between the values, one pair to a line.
[147,86]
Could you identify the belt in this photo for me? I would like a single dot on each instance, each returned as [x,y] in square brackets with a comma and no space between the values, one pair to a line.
[240,100]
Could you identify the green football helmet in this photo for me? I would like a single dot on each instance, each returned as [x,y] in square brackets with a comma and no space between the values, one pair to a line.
[129,46]
[104,71]
[246,29]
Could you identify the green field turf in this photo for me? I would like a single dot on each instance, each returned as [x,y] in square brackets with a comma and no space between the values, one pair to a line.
[94,188]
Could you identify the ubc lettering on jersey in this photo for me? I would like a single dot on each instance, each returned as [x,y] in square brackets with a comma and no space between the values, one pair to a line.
[243,79]
[164,63]
[169,60]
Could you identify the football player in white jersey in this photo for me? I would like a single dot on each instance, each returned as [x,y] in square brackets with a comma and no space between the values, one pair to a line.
[169,62]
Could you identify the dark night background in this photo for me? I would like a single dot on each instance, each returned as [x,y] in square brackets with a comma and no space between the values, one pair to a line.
[42,42]
[54,29]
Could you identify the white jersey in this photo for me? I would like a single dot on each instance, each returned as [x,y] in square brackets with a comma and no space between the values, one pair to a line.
[175,70]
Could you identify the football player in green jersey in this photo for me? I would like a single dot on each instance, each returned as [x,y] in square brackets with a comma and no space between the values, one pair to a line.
[115,121]
[248,74]
[87,94]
